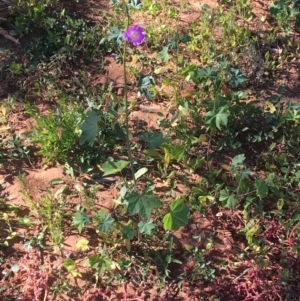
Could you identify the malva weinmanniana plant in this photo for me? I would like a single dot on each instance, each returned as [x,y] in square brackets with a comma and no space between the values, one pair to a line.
[135,35]
[178,214]
[140,203]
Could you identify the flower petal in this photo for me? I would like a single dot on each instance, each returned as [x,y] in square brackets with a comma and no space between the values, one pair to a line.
[135,35]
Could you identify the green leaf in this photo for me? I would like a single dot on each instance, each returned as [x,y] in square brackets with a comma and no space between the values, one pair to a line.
[154,139]
[244,173]
[101,264]
[104,220]
[237,78]
[163,55]
[57,181]
[146,81]
[115,34]
[275,8]
[227,198]
[174,152]
[89,129]
[25,221]
[261,188]
[280,204]
[153,153]
[146,227]
[70,265]
[80,219]
[15,68]
[141,204]
[292,115]
[110,167]
[128,232]
[271,179]
[123,191]
[244,185]
[146,92]
[215,120]
[239,159]
[178,215]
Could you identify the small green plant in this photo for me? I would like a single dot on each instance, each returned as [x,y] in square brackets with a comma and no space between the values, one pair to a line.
[285,11]
[51,211]
[59,30]
[56,134]
[219,32]
[7,218]
[199,268]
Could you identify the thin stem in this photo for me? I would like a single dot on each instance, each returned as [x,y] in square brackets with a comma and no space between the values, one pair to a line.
[127,105]
[176,61]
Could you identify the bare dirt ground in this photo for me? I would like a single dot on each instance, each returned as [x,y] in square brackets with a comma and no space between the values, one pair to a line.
[37,179]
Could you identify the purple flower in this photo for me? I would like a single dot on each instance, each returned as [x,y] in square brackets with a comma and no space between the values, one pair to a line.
[135,34]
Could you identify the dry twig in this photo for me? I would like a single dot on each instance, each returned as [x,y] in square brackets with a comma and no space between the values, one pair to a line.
[5,6]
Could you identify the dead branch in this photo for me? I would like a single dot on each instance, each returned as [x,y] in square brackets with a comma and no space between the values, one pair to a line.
[5,34]
[4,13]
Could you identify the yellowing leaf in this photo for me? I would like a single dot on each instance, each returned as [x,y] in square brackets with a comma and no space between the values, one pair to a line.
[251,232]
[127,244]
[82,245]
[160,70]
[202,138]
[280,203]
[3,110]
[12,235]
[70,266]
[209,246]
[226,167]
[271,107]
[135,59]
[188,247]
[167,158]
[114,266]
[140,172]
[4,128]
[256,248]
[167,183]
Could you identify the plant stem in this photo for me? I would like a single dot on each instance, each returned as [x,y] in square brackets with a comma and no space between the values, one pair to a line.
[126,104]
